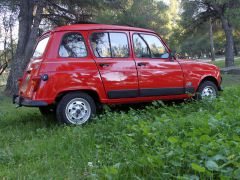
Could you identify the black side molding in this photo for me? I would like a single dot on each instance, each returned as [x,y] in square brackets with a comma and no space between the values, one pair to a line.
[133,93]
[161,92]
[189,90]
[115,94]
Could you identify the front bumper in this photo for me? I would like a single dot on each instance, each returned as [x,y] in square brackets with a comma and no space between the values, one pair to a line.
[21,101]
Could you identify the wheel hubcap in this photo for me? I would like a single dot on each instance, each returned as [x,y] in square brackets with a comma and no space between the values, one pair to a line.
[78,111]
[209,92]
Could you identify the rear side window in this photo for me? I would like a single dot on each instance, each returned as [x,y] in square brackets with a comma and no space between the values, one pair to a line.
[41,46]
[106,45]
[101,45]
[150,46]
[72,46]
[119,45]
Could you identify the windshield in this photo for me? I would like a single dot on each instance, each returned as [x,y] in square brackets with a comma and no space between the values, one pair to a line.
[40,48]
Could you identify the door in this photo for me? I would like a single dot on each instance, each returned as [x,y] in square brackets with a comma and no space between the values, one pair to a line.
[115,63]
[158,75]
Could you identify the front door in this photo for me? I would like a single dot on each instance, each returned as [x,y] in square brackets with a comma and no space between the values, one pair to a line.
[117,68]
[158,75]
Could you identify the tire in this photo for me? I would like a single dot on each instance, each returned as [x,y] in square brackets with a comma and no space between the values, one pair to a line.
[207,90]
[47,110]
[76,108]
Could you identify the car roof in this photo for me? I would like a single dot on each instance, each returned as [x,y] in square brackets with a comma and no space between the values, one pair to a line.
[77,27]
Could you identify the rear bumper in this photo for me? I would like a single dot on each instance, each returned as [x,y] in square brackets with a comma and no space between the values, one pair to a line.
[21,101]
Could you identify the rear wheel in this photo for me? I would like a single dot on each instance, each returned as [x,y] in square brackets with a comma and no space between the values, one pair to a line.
[76,108]
[207,90]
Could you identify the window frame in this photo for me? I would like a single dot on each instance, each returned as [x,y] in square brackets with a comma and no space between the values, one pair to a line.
[46,48]
[63,36]
[110,44]
[152,34]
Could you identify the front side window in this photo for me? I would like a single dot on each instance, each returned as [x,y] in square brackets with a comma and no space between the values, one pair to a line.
[42,44]
[106,45]
[141,48]
[152,44]
[72,46]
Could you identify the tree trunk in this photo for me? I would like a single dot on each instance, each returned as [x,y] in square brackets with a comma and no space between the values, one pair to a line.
[28,27]
[229,52]
[11,42]
[33,36]
[235,49]
[211,40]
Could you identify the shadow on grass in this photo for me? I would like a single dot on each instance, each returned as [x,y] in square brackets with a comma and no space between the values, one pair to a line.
[29,120]
[141,106]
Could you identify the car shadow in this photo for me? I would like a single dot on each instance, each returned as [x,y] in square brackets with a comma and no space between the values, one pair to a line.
[143,105]
[34,120]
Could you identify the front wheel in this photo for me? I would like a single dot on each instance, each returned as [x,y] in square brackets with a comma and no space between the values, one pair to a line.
[207,90]
[76,108]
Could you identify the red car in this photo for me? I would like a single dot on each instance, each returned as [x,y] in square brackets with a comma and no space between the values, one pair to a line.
[76,68]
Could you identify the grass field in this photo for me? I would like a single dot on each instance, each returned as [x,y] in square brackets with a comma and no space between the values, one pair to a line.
[221,64]
[190,140]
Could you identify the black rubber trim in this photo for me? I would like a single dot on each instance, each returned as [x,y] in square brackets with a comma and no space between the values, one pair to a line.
[27,102]
[189,90]
[161,92]
[115,94]
[149,92]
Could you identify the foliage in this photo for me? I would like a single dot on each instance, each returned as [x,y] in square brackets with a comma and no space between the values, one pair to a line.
[159,140]
[198,12]
[149,14]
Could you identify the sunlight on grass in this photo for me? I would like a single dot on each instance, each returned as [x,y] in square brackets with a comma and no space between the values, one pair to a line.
[221,64]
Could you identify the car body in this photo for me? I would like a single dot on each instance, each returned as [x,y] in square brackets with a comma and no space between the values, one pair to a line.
[112,65]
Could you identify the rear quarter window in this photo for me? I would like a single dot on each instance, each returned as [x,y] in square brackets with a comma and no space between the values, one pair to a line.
[72,46]
[40,48]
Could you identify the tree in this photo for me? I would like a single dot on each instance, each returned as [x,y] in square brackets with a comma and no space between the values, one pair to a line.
[211,40]
[31,14]
[8,20]
[29,20]
[201,10]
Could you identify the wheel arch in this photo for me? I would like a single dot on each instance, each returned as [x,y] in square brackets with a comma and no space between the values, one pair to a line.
[211,79]
[90,92]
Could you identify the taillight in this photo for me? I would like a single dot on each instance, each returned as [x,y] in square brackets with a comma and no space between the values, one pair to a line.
[35,82]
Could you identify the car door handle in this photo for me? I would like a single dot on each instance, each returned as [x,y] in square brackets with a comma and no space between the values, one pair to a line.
[103,65]
[142,64]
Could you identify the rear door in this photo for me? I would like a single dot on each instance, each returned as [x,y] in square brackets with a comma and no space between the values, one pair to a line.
[111,50]
[158,75]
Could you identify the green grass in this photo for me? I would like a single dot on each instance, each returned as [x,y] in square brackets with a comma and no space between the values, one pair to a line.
[183,141]
[221,64]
